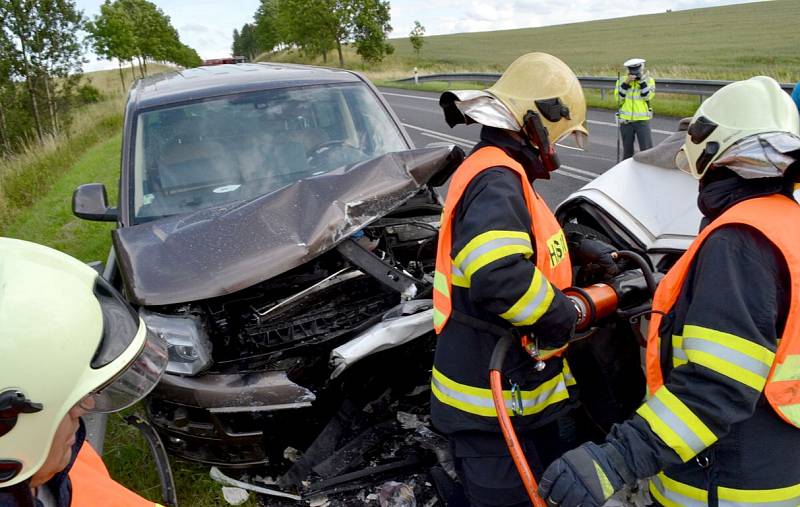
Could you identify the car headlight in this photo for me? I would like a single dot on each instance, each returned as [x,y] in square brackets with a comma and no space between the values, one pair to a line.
[188,344]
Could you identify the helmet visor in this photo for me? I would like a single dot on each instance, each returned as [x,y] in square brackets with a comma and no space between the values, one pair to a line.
[137,379]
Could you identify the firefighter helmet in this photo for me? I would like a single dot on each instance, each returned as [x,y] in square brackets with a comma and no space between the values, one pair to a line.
[65,333]
[536,82]
[740,110]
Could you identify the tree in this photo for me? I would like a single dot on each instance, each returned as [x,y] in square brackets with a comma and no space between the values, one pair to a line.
[128,29]
[370,26]
[266,28]
[42,42]
[416,37]
[113,36]
[236,47]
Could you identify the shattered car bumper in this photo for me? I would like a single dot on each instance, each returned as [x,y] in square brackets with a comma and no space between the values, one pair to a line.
[224,419]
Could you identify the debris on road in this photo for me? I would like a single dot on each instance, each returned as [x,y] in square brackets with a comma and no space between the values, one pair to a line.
[235,496]
[220,477]
[396,494]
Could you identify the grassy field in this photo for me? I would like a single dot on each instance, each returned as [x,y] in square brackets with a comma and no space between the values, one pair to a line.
[35,204]
[49,221]
[729,42]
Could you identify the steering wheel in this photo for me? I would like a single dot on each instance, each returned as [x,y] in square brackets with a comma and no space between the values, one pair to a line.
[333,153]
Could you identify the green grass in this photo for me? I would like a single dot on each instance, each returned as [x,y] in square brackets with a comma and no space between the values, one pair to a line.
[49,221]
[679,106]
[26,178]
[728,42]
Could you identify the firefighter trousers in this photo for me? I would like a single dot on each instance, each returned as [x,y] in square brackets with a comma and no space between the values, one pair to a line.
[486,469]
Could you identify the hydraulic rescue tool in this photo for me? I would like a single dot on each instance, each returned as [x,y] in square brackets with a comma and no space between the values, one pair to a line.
[593,304]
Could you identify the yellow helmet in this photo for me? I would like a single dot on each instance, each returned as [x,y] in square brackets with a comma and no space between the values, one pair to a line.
[65,333]
[533,82]
[735,112]
[536,82]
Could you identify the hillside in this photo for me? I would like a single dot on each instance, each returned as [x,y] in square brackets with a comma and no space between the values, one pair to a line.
[728,42]
[731,42]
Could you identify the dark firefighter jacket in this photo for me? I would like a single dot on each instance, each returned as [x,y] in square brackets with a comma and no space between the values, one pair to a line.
[493,201]
[737,290]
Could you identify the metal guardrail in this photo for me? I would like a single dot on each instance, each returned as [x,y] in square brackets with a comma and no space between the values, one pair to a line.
[683,86]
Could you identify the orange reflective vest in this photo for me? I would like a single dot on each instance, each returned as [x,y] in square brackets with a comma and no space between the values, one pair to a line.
[552,258]
[92,486]
[778,218]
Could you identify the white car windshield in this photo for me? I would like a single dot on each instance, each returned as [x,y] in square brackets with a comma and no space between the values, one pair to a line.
[237,147]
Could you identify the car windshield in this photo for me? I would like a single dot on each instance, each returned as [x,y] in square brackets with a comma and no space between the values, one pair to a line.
[238,147]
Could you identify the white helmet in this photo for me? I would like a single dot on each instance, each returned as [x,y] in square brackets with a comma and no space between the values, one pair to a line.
[740,110]
[65,333]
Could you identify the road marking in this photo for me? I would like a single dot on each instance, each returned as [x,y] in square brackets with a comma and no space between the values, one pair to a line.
[564,170]
[591,122]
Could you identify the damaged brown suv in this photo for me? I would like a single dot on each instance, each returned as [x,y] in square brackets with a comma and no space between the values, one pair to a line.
[277,228]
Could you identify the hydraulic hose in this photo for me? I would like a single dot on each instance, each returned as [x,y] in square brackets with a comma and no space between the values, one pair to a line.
[643,265]
[510,435]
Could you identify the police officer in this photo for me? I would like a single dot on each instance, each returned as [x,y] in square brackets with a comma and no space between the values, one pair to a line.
[722,422]
[69,344]
[502,258]
[634,93]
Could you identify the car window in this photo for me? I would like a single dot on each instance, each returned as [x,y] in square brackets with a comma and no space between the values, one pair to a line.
[238,147]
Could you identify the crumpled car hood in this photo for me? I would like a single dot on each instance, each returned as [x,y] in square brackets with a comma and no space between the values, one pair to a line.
[218,251]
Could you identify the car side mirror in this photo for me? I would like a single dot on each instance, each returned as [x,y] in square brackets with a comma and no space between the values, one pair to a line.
[90,202]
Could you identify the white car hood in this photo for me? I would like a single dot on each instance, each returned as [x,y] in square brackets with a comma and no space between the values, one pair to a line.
[657,206]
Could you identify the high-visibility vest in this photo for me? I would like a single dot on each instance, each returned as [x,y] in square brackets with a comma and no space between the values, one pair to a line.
[552,257]
[778,218]
[92,486]
[634,107]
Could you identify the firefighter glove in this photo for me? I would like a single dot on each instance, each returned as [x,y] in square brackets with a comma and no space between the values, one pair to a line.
[585,477]
[592,253]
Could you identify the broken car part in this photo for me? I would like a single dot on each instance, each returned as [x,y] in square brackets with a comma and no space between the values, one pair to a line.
[168,491]
[220,477]
[412,320]
[235,246]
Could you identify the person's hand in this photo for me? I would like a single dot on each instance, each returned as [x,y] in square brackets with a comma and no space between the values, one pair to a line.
[630,78]
[585,477]
[590,253]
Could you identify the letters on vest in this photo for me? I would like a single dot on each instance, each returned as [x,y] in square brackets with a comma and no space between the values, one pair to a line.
[551,246]
[778,218]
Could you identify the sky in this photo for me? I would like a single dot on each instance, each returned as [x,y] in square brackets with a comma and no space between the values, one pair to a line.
[207,25]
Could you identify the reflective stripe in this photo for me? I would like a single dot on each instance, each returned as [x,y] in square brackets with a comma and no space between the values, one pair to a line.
[490,246]
[676,424]
[730,355]
[605,484]
[478,401]
[781,497]
[438,317]
[678,354]
[533,303]
[630,114]
[457,277]
[670,493]
[788,370]
[440,283]
[568,377]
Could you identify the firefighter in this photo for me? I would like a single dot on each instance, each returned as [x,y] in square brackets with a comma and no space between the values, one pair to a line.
[69,345]
[633,94]
[502,258]
[721,425]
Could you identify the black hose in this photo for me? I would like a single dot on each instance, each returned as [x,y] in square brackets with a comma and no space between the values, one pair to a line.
[500,351]
[643,265]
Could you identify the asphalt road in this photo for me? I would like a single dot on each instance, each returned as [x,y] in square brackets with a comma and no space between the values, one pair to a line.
[423,120]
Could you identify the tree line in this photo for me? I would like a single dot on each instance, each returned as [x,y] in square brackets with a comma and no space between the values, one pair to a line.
[317,27]
[42,46]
